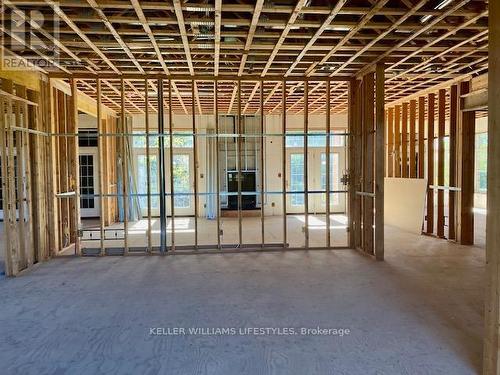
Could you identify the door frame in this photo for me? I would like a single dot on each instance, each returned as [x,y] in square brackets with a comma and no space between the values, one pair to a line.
[316,201]
[91,212]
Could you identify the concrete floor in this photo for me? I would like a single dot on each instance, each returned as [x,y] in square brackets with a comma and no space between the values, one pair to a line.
[2,251]
[419,312]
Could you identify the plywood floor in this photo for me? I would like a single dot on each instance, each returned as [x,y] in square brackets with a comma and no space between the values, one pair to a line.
[419,312]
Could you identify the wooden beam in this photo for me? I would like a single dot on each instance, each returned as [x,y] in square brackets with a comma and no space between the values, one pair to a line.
[372,12]
[390,142]
[421,137]
[404,141]
[148,165]
[195,166]
[491,360]
[283,160]
[326,23]
[145,25]
[184,38]
[281,40]
[218,19]
[440,162]
[306,165]
[412,137]
[430,163]
[10,266]
[328,127]
[101,141]
[116,35]
[379,162]
[74,165]
[81,34]
[394,26]
[454,105]
[397,141]
[251,33]
[466,135]
[419,31]
[368,165]
[125,167]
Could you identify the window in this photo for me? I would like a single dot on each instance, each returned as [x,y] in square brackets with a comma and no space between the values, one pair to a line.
[87,181]
[180,140]
[142,180]
[481,161]
[297,178]
[314,139]
[139,140]
[87,138]
[181,181]
[334,177]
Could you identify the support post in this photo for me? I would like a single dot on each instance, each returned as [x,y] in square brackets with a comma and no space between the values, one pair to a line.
[412,151]
[217,162]
[75,165]
[440,166]
[9,248]
[491,362]
[404,141]
[467,133]
[239,147]
[397,141]
[379,160]
[148,162]
[390,142]
[306,165]
[367,162]
[171,165]
[161,168]
[283,165]
[421,137]
[262,189]
[125,166]
[430,163]
[453,162]
[195,165]
[327,159]
[101,139]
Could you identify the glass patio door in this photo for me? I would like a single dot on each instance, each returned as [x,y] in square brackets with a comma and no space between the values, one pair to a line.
[183,181]
[316,181]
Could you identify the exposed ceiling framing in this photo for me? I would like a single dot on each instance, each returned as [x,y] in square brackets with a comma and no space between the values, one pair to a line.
[423,42]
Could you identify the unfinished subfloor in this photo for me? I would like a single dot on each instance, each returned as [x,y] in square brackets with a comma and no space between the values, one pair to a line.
[419,312]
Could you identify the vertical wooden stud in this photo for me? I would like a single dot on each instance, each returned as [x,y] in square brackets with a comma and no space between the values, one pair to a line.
[306,164]
[195,165]
[440,166]
[412,150]
[453,161]
[404,141]
[430,162]
[421,137]
[327,159]
[283,165]
[379,161]
[397,141]
[390,142]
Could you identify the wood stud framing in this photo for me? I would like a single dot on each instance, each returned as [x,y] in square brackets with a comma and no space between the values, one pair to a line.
[461,132]
[367,163]
[440,161]
[430,163]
